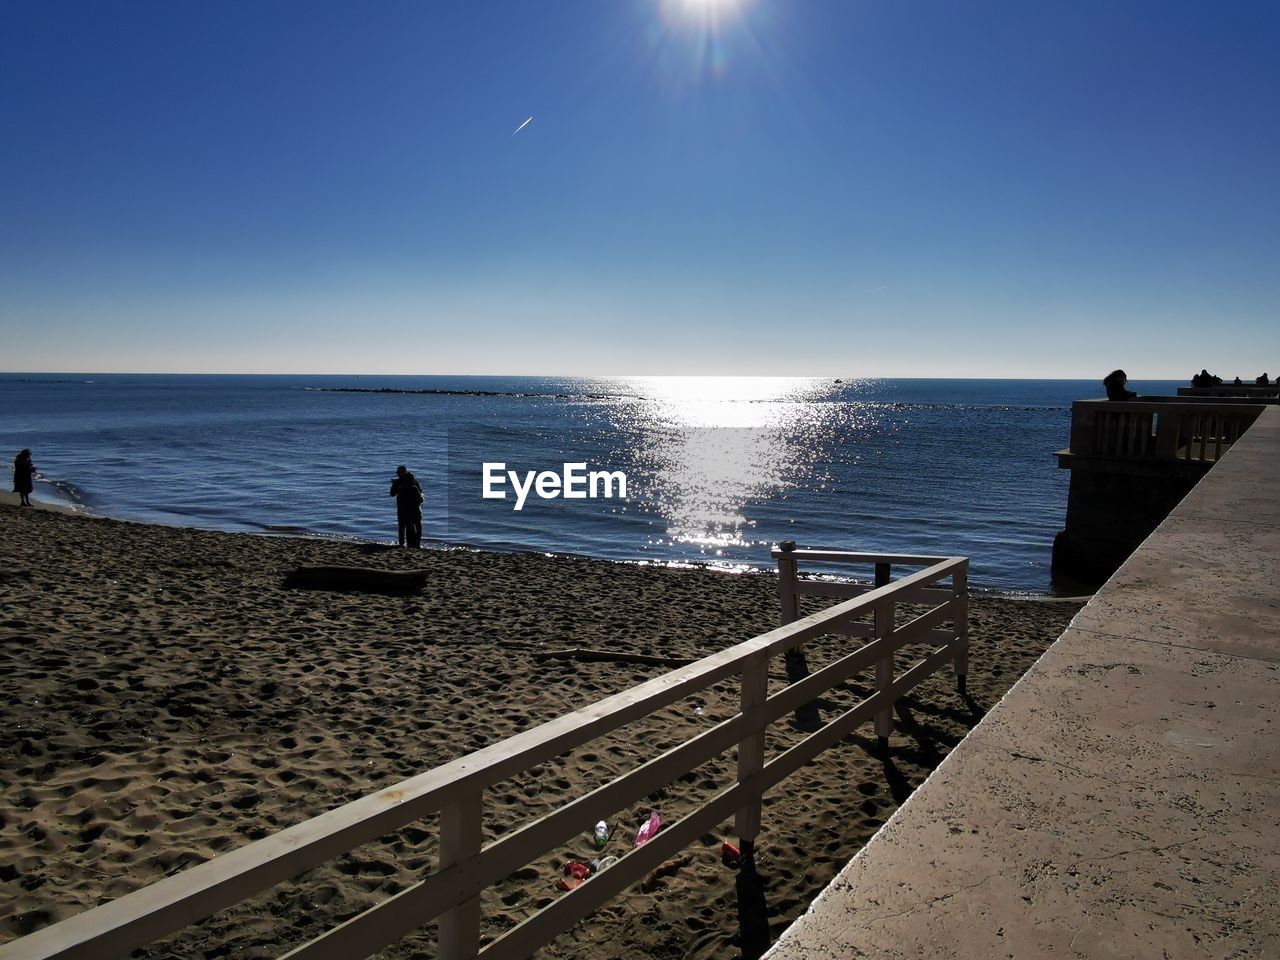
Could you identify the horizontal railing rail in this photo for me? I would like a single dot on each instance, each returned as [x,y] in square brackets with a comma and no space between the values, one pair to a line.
[1247,392]
[455,790]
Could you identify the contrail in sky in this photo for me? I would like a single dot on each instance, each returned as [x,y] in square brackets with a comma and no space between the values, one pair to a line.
[521,127]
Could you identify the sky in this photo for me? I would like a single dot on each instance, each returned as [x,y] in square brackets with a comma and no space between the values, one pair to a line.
[809,187]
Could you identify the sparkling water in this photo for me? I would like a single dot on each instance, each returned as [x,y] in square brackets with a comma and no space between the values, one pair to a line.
[718,468]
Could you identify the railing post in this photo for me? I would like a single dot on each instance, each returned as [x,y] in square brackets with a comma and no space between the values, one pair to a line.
[960,585]
[787,583]
[797,664]
[1168,429]
[1084,425]
[884,573]
[884,672]
[460,839]
[755,688]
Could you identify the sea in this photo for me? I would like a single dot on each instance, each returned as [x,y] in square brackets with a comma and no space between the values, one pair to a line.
[718,469]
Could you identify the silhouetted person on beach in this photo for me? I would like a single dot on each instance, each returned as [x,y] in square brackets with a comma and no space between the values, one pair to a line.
[408,493]
[24,472]
[1115,383]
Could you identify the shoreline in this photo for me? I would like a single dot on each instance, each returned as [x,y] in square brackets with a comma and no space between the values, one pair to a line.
[444,546]
[167,698]
[976,449]
[8,499]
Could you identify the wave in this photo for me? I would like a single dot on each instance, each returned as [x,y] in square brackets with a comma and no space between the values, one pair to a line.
[71,495]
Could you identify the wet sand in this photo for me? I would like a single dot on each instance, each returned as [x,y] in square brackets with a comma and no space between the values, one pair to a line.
[167,699]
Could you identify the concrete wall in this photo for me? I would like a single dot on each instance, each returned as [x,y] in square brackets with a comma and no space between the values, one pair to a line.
[1111,511]
[1123,800]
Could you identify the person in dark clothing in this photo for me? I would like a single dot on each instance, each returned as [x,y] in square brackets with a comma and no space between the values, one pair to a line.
[1264,380]
[408,493]
[24,472]
[1115,383]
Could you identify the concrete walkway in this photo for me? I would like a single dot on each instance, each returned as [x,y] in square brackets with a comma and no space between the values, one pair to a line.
[1124,799]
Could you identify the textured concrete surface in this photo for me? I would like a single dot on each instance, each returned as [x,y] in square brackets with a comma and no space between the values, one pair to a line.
[1124,799]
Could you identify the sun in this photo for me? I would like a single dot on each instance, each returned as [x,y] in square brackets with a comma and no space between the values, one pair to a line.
[699,39]
[699,10]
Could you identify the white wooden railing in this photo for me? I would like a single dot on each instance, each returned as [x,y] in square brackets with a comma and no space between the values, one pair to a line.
[953,643]
[455,791]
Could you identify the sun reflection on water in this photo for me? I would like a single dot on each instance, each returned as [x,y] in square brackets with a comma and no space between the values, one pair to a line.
[707,448]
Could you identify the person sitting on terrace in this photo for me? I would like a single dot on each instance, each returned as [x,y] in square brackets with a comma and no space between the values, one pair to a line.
[1115,383]
[1264,380]
[1238,383]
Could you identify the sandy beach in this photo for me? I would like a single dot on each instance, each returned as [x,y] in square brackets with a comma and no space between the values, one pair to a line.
[167,698]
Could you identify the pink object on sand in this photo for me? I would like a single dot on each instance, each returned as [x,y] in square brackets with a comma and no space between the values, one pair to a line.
[649,829]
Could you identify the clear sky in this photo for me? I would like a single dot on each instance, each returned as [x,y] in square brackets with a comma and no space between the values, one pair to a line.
[828,187]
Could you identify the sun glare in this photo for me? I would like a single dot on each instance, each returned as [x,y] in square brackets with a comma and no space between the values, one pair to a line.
[699,38]
[703,12]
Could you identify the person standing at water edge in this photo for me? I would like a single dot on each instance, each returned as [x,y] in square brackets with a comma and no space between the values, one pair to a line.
[409,499]
[24,472]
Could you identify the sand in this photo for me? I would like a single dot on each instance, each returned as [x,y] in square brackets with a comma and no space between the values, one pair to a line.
[167,699]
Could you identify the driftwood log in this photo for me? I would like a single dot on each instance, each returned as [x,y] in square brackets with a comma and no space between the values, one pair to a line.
[356,579]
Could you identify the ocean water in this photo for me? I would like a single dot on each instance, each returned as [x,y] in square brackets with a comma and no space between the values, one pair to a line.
[718,468]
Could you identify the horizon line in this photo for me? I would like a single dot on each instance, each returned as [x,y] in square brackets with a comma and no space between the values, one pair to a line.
[844,378]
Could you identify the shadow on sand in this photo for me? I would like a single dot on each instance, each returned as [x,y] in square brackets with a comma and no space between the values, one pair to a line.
[753,910]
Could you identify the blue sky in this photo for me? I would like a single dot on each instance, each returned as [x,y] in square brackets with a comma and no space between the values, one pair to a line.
[828,187]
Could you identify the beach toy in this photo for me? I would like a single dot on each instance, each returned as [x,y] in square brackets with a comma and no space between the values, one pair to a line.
[601,834]
[649,829]
[731,855]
